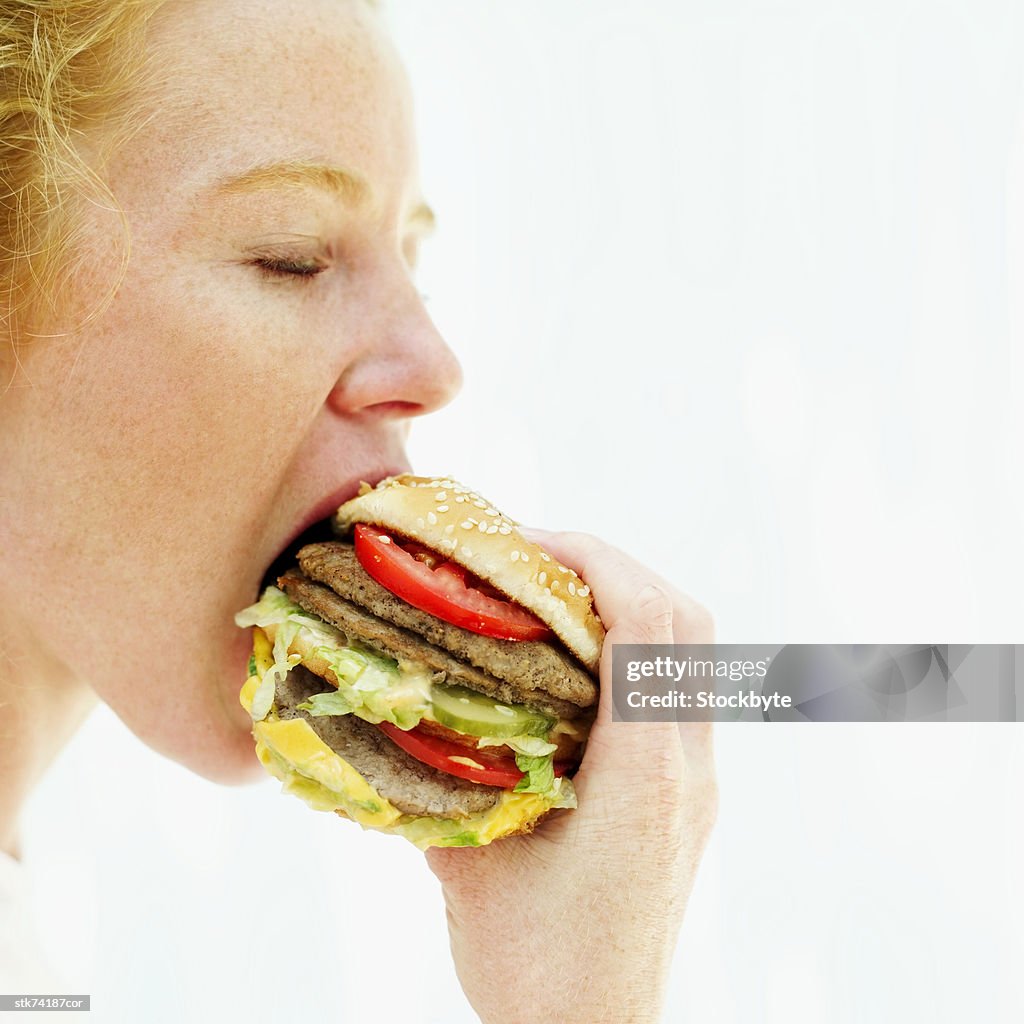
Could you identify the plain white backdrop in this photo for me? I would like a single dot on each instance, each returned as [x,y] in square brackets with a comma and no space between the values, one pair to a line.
[736,285]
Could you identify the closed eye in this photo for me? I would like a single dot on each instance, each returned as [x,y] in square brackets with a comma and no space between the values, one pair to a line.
[276,267]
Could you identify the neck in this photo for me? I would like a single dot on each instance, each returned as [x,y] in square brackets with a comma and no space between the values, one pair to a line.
[42,703]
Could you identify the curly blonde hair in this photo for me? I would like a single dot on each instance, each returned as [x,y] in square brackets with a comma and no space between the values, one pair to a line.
[66,70]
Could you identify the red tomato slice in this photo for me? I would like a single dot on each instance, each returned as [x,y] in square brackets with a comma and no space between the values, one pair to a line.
[426,581]
[438,753]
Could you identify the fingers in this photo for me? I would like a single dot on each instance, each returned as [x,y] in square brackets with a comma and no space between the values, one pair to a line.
[623,759]
[625,591]
[603,566]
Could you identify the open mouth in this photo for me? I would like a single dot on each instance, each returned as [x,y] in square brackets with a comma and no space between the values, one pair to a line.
[288,558]
[319,518]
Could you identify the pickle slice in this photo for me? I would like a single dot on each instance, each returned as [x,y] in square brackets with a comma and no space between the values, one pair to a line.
[473,714]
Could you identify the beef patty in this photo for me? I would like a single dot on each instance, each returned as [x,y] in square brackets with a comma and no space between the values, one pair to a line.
[412,786]
[537,674]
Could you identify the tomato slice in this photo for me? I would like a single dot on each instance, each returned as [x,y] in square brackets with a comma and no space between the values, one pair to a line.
[424,579]
[493,769]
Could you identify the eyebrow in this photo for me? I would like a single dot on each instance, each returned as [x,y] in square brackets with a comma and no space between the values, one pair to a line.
[348,185]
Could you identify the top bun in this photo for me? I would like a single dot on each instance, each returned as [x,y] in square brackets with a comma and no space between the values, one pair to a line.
[455,521]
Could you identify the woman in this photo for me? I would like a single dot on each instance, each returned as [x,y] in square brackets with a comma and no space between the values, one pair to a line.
[211,220]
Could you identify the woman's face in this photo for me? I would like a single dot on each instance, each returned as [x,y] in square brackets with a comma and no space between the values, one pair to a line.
[264,354]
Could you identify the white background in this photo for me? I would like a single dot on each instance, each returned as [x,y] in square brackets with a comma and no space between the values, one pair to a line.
[737,286]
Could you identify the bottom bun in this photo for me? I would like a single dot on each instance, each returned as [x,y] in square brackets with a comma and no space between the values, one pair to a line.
[308,768]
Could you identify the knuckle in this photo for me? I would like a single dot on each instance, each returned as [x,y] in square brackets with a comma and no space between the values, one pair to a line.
[652,605]
[580,541]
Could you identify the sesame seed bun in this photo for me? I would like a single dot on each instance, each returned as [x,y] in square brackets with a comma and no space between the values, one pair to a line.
[458,523]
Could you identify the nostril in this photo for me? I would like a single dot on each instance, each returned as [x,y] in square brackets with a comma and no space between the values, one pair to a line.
[396,409]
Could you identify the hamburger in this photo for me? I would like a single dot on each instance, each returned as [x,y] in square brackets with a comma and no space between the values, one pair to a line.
[428,672]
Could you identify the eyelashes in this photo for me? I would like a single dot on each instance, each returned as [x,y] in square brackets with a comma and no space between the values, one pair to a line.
[280,268]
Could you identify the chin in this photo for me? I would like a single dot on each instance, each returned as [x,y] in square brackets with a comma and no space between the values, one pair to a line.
[226,760]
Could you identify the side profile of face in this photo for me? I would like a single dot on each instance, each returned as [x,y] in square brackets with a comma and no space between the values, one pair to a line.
[264,353]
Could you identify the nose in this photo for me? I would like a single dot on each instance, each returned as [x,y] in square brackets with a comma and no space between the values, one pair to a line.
[404,367]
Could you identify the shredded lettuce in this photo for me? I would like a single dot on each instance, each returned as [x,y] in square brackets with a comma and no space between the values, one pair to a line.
[373,687]
[331,703]
[370,685]
[533,757]
[263,698]
[539,774]
[531,746]
[276,608]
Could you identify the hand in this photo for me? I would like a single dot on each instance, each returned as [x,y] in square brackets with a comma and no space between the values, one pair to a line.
[578,921]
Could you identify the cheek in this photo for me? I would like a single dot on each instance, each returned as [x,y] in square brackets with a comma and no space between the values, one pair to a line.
[188,395]
[154,468]
[185,705]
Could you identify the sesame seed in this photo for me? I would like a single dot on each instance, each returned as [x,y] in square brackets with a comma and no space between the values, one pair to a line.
[542,578]
[572,588]
[526,557]
[583,591]
[514,556]
[480,504]
[467,525]
[504,530]
[459,498]
[450,528]
[562,568]
[442,508]
[431,518]
[492,512]
[492,529]
[554,586]
[440,496]
[545,556]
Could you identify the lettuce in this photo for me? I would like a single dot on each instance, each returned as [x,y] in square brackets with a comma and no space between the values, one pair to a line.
[373,687]
[276,608]
[531,746]
[539,774]
[331,703]
[533,757]
[370,685]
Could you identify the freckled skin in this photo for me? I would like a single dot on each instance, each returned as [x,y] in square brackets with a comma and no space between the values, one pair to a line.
[164,454]
[153,463]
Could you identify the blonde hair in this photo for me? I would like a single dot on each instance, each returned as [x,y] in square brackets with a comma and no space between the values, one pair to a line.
[66,69]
